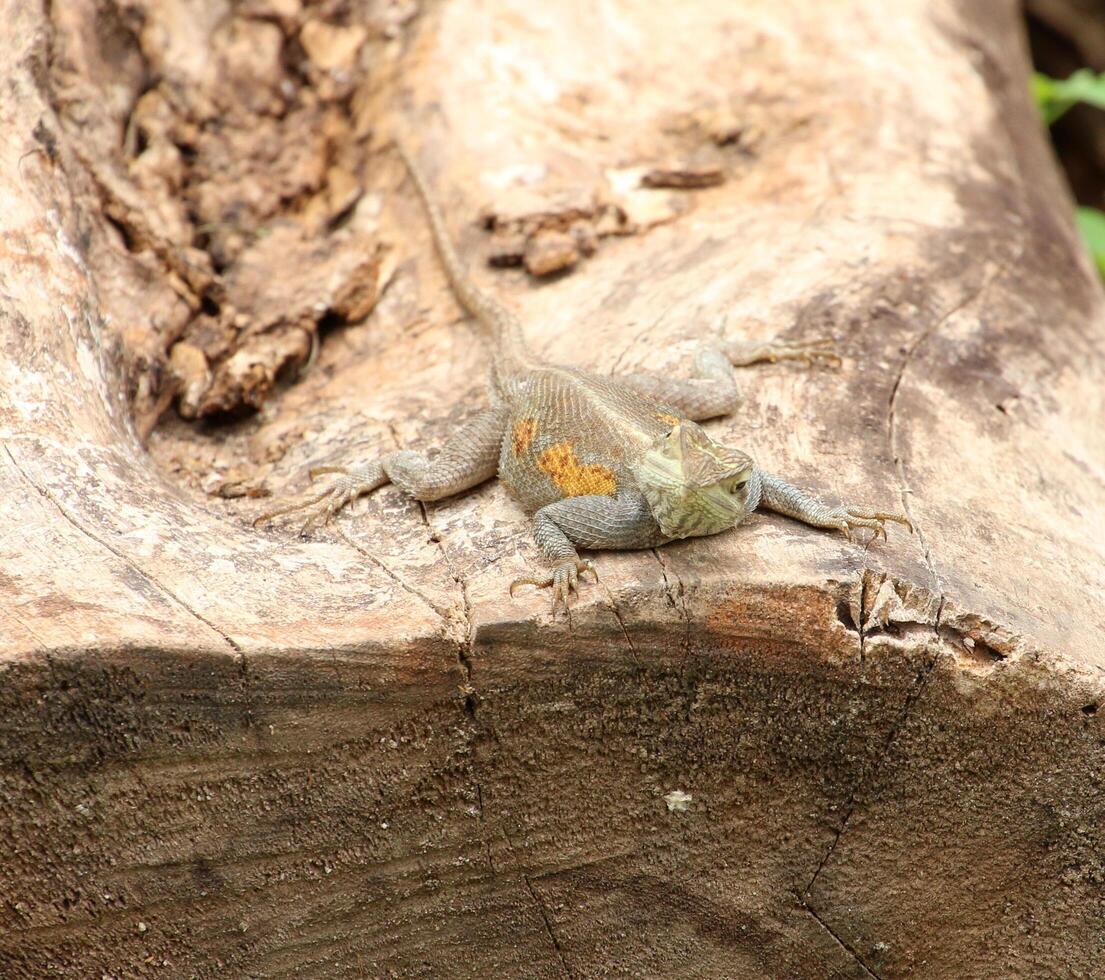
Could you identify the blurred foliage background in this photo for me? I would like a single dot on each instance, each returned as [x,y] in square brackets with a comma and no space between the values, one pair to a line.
[1067,38]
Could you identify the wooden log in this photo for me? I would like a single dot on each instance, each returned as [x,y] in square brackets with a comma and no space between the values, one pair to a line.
[229,751]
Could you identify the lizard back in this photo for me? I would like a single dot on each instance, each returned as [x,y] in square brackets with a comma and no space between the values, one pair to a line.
[570,433]
[574,434]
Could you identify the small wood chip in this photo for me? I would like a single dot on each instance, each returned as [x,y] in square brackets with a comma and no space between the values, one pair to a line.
[550,251]
[678,801]
[684,178]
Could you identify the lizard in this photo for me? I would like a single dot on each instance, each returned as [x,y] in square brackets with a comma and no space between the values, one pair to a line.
[599,462]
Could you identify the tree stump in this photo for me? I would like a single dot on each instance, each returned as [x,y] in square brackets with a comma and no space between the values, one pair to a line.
[236,752]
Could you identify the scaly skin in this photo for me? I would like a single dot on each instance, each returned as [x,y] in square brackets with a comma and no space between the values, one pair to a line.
[600,462]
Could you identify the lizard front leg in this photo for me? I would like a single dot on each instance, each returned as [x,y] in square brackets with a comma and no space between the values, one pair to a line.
[594,522]
[712,389]
[469,458]
[780,496]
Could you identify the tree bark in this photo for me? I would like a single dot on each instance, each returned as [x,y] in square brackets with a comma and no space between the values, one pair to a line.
[228,751]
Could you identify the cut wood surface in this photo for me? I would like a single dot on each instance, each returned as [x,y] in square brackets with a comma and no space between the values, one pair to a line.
[229,751]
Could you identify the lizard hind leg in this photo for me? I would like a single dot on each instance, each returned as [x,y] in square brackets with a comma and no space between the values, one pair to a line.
[712,388]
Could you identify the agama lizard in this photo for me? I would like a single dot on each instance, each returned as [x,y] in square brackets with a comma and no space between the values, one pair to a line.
[600,462]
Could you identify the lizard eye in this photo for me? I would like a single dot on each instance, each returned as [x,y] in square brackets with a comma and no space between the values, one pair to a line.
[739,487]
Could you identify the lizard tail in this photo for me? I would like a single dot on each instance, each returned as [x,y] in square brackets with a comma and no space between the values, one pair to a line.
[502,327]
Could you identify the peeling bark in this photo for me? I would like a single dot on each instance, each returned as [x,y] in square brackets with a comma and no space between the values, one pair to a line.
[238,752]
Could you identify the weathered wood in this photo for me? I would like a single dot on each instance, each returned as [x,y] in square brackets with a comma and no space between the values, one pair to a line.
[231,752]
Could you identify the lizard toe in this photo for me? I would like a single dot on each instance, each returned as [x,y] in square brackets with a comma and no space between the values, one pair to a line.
[815,352]
[321,507]
[539,581]
[881,516]
[291,508]
[874,520]
[563,580]
[809,352]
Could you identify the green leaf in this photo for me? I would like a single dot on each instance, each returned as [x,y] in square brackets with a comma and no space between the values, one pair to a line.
[1055,96]
[1091,223]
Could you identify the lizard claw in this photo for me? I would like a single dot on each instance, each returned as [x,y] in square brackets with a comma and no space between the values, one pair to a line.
[323,506]
[809,352]
[563,579]
[850,518]
[820,350]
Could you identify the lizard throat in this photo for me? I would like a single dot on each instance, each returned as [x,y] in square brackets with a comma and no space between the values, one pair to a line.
[682,511]
[690,515]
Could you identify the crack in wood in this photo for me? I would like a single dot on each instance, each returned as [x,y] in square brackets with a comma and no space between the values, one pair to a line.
[389,572]
[847,947]
[548,927]
[680,606]
[465,649]
[621,623]
[918,685]
[129,562]
[892,414]
[541,909]
[641,340]
[851,803]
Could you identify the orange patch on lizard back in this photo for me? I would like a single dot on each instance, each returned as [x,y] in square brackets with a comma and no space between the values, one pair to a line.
[524,431]
[670,419]
[575,479]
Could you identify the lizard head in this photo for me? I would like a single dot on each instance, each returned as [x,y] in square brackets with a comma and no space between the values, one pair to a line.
[694,485]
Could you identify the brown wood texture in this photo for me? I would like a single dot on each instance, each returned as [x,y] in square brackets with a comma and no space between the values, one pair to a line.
[232,752]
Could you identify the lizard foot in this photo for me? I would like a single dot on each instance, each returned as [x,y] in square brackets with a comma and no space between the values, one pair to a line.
[321,507]
[809,352]
[847,519]
[563,579]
